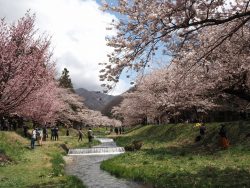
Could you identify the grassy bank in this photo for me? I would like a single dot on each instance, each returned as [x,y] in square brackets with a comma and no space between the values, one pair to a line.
[171,158]
[41,167]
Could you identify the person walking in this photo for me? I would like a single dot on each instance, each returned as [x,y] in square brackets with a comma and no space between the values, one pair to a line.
[33,138]
[80,134]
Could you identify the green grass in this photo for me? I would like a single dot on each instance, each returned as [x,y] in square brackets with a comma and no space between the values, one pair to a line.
[12,145]
[170,158]
[41,167]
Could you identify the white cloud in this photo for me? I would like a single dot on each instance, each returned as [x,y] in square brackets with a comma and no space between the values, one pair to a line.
[121,86]
[78,30]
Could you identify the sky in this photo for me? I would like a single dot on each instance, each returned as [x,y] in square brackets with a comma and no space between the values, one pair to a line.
[78,30]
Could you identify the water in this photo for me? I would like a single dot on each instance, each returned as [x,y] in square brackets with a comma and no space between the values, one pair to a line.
[87,167]
[97,151]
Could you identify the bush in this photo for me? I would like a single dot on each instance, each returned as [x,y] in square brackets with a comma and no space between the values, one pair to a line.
[129,147]
[136,145]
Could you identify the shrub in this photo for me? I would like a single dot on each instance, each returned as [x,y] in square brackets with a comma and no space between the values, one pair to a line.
[136,145]
[129,147]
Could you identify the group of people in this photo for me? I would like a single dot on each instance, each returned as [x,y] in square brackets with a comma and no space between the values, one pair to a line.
[118,130]
[41,134]
[38,134]
[54,133]
[223,140]
[90,135]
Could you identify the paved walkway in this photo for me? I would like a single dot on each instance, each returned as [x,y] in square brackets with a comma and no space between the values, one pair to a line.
[87,168]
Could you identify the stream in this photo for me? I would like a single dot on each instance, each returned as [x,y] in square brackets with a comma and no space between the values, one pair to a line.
[86,166]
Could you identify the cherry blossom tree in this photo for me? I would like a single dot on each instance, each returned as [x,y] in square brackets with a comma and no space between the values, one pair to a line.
[44,105]
[74,110]
[219,82]
[209,45]
[25,62]
[145,27]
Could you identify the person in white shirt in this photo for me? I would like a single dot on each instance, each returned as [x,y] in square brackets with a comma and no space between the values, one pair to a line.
[40,137]
[33,139]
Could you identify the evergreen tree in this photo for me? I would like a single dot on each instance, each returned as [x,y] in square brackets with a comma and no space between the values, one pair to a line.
[65,81]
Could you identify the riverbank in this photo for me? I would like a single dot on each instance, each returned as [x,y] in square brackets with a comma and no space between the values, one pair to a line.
[41,167]
[171,158]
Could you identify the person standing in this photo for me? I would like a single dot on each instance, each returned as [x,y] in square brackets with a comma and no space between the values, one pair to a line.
[67,131]
[44,133]
[56,133]
[224,142]
[116,130]
[123,129]
[202,130]
[25,130]
[52,133]
[33,138]
[40,138]
[90,135]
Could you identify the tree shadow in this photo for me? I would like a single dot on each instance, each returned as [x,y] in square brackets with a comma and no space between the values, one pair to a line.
[207,177]
[183,150]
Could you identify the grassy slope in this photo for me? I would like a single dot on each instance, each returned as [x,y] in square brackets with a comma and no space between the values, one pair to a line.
[170,158]
[42,167]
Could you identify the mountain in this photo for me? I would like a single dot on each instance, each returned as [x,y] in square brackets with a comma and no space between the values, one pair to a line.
[116,101]
[94,100]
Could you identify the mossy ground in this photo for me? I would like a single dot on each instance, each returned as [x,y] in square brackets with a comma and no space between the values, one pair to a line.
[171,158]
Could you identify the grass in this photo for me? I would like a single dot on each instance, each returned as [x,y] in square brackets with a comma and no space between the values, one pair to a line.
[12,145]
[170,158]
[41,167]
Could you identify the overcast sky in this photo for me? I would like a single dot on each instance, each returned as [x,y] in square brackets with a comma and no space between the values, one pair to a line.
[78,30]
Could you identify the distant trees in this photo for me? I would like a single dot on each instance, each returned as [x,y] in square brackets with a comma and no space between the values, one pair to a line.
[75,112]
[65,81]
